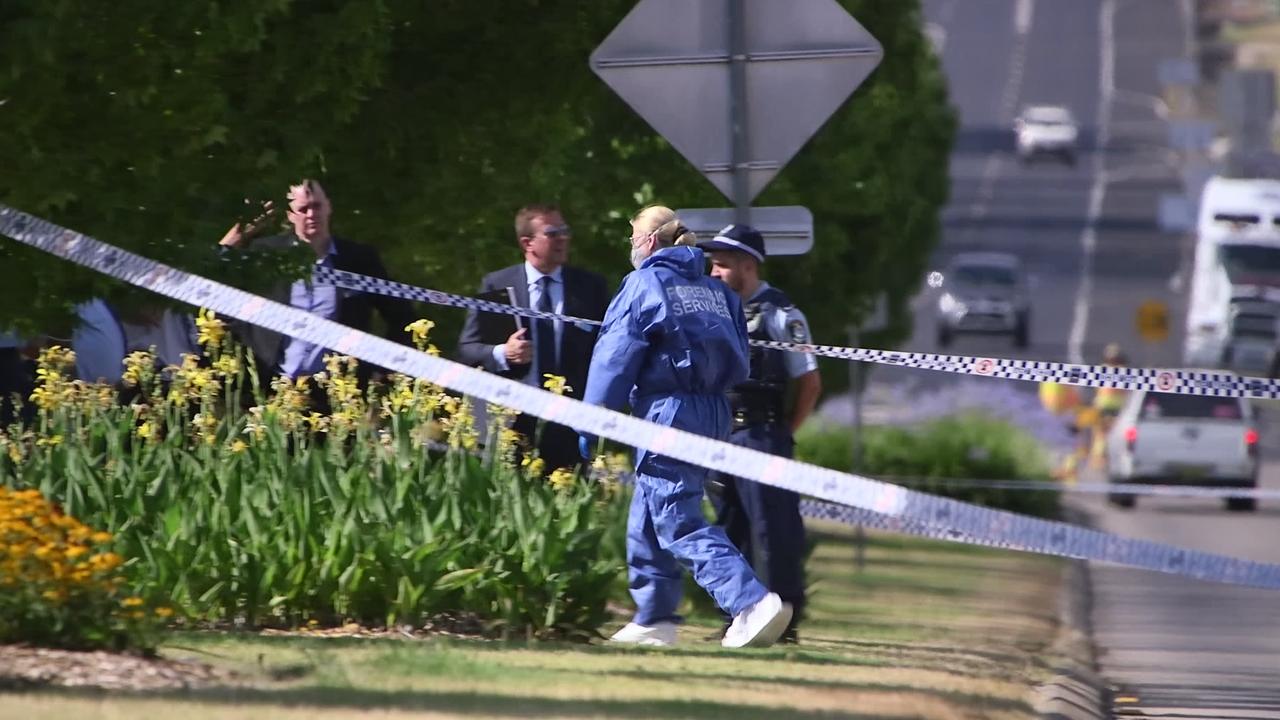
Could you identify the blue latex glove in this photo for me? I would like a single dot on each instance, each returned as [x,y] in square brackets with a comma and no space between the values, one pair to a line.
[587,445]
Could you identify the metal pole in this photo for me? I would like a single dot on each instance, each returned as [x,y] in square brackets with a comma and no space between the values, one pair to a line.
[855,397]
[740,152]
[855,394]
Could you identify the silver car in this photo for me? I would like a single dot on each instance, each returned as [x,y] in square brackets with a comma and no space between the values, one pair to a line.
[984,292]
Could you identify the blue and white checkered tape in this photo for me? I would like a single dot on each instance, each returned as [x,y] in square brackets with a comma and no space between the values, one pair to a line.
[916,512]
[1184,382]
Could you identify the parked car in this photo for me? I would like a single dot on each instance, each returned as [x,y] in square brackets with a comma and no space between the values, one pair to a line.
[1168,439]
[1046,130]
[984,292]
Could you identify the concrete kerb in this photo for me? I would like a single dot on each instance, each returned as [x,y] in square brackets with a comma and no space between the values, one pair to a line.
[1076,691]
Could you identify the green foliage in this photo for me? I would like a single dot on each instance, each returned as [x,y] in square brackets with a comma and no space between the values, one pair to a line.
[969,446]
[147,126]
[276,514]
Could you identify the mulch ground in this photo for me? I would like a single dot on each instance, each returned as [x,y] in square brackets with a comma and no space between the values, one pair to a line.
[23,667]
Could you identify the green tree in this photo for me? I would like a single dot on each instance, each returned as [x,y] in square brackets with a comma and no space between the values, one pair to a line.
[430,125]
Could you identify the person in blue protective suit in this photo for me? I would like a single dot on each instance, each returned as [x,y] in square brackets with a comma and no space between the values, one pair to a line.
[674,342]
[764,521]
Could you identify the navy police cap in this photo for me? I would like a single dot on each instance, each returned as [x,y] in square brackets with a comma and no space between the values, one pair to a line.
[742,238]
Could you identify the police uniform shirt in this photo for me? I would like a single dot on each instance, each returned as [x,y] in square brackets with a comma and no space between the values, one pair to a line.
[788,324]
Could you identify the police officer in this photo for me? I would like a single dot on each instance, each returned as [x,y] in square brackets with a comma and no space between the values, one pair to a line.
[673,343]
[764,521]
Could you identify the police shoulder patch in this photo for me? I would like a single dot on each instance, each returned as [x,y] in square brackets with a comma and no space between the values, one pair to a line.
[798,331]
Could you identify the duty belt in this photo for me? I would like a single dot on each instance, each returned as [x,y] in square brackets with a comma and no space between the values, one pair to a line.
[753,416]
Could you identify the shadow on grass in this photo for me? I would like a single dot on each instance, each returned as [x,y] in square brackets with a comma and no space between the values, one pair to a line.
[969,701]
[468,703]
[989,655]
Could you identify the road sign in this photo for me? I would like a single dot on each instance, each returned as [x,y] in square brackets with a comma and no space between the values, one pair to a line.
[1153,321]
[736,86]
[787,229]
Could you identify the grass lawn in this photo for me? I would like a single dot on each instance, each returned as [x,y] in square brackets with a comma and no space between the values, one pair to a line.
[926,630]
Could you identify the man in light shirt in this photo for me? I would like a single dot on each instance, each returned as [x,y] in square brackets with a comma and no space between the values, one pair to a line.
[308,211]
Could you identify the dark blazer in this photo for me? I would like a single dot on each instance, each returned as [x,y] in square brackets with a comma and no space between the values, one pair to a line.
[586,295]
[355,309]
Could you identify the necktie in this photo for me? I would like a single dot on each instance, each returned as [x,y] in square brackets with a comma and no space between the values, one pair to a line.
[544,340]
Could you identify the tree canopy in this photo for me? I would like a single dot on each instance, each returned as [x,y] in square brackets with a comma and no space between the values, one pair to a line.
[147,125]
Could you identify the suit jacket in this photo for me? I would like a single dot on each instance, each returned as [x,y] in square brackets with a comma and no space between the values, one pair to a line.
[355,309]
[586,295]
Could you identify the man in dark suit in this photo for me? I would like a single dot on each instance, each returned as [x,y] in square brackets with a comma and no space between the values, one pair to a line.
[542,347]
[308,211]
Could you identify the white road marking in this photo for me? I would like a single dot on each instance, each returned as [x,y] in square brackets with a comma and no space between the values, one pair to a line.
[1023,14]
[1098,193]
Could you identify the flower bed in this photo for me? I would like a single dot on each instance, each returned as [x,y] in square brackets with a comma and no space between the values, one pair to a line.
[238,507]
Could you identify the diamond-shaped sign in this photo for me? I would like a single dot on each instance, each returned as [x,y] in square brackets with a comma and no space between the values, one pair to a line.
[670,61]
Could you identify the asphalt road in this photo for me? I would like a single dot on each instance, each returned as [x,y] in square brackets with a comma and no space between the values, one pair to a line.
[1087,234]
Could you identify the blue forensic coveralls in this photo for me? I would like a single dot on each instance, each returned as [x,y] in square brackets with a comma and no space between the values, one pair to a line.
[674,341]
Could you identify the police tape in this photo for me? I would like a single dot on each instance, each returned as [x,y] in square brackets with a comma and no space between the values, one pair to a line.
[1165,380]
[1117,488]
[914,510]
[846,515]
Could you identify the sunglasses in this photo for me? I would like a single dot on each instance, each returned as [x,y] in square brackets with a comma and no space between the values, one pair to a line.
[556,231]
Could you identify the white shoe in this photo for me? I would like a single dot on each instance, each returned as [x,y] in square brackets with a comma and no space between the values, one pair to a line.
[662,634]
[759,625]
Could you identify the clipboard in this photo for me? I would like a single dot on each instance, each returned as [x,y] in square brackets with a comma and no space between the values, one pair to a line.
[495,328]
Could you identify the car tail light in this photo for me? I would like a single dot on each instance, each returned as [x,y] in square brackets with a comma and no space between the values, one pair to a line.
[1251,441]
[1131,437]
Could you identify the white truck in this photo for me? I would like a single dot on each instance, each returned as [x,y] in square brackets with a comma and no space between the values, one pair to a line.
[1234,305]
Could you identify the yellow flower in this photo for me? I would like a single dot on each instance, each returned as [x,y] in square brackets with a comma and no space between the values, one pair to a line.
[51,441]
[210,329]
[533,467]
[139,366]
[227,365]
[255,427]
[133,601]
[317,423]
[205,426]
[100,537]
[164,612]
[419,330]
[105,562]
[561,479]
[76,551]
[57,595]
[556,384]
[145,430]
[238,447]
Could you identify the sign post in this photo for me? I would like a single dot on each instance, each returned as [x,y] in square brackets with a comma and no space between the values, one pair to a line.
[736,86]
[1153,321]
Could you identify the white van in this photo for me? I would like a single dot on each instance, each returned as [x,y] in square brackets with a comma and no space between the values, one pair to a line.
[1235,283]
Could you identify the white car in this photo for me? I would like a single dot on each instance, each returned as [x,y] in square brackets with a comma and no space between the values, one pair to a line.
[1046,130]
[1166,439]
